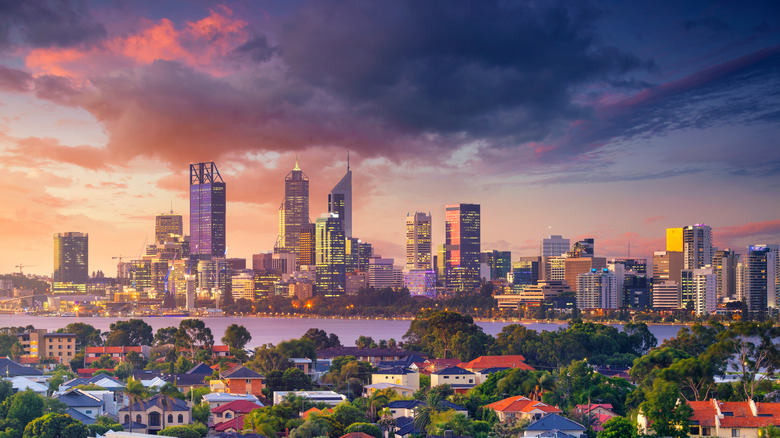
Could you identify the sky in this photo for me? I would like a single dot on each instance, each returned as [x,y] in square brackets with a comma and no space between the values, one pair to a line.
[604,119]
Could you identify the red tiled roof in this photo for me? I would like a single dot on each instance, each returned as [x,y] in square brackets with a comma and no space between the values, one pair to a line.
[239,406]
[28,359]
[584,408]
[735,414]
[236,423]
[316,411]
[519,403]
[220,348]
[110,350]
[483,362]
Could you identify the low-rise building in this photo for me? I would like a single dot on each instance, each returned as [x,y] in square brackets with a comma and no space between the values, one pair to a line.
[218,399]
[554,425]
[519,407]
[233,410]
[400,376]
[327,397]
[155,414]
[459,379]
[713,418]
[242,380]
[41,344]
[485,362]
[117,354]
[371,355]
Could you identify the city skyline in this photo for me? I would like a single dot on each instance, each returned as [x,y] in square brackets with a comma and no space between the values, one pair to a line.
[638,118]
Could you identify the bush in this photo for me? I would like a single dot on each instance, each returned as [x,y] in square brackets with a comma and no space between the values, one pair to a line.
[180,432]
[367,428]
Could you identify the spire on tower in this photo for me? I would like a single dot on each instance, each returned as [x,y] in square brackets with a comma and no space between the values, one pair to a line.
[296,164]
[347,160]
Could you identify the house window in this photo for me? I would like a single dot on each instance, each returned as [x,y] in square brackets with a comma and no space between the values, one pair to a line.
[138,418]
[181,418]
[170,418]
[127,418]
[227,415]
[735,432]
[693,430]
[88,411]
[154,418]
[705,431]
[219,414]
[248,381]
[471,380]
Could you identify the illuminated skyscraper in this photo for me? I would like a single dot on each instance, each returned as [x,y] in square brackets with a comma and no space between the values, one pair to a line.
[761,280]
[294,212]
[207,211]
[306,246]
[166,225]
[418,241]
[697,246]
[330,255]
[71,258]
[462,245]
[554,246]
[340,202]
[598,289]
[724,265]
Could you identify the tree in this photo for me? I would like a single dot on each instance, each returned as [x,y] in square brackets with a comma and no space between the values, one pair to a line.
[267,358]
[104,361]
[24,407]
[135,392]
[667,416]
[321,339]
[364,342]
[133,332]
[294,379]
[54,425]
[424,414]
[346,414]
[201,412]
[618,427]
[6,390]
[165,335]
[86,335]
[367,428]
[297,348]
[193,334]
[433,333]
[236,336]
[103,424]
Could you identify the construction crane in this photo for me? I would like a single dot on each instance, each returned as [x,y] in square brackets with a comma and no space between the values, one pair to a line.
[22,266]
[118,266]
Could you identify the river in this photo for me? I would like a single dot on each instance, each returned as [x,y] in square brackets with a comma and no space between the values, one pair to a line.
[275,330]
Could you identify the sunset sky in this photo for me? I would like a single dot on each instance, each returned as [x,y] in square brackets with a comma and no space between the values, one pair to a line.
[611,119]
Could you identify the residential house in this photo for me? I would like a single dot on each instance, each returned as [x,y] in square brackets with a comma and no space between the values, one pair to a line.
[13,369]
[117,354]
[403,391]
[101,380]
[372,355]
[400,376]
[459,379]
[81,405]
[429,366]
[156,413]
[600,413]
[484,362]
[218,399]
[233,410]
[408,408]
[327,397]
[235,425]
[713,418]
[519,407]
[405,428]
[20,383]
[242,380]
[314,410]
[483,374]
[554,426]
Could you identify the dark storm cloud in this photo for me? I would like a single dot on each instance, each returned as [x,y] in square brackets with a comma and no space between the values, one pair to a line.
[257,48]
[46,23]
[487,68]
[12,79]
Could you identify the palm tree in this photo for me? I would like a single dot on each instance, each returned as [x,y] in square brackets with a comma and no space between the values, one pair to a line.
[433,404]
[165,399]
[135,392]
[540,382]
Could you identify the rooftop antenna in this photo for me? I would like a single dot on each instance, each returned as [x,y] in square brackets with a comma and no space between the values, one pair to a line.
[347,160]
[171,206]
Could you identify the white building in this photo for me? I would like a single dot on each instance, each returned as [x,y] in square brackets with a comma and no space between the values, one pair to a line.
[598,290]
[381,273]
[705,291]
[554,246]
[666,295]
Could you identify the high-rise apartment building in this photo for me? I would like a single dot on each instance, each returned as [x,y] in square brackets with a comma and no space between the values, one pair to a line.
[294,211]
[462,245]
[667,266]
[697,246]
[340,202]
[573,267]
[724,265]
[330,255]
[306,246]
[761,279]
[418,241]
[167,225]
[704,291]
[207,211]
[380,272]
[666,294]
[554,246]
[71,262]
[598,289]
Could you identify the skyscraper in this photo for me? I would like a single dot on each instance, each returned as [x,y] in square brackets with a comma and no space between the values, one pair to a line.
[71,262]
[583,248]
[340,202]
[697,246]
[330,255]
[166,225]
[498,262]
[762,285]
[724,265]
[294,212]
[462,245]
[554,246]
[207,211]
[418,241]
